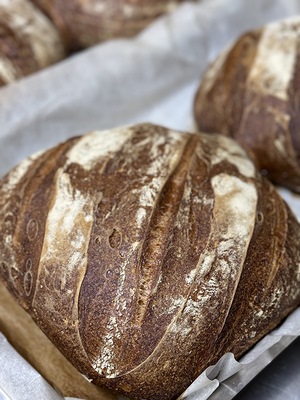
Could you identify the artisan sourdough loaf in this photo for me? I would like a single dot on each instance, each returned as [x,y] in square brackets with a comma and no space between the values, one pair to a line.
[144,254]
[28,40]
[84,23]
[251,92]
[37,33]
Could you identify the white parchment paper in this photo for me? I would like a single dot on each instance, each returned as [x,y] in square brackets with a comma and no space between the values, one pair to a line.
[23,382]
[152,78]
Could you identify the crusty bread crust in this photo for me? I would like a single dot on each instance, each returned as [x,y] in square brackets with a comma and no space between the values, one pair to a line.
[144,253]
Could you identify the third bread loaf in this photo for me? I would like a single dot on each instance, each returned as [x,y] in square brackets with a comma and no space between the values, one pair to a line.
[84,23]
[28,40]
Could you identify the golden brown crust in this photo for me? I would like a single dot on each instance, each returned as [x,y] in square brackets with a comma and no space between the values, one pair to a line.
[28,41]
[84,23]
[251,93]
[128,248]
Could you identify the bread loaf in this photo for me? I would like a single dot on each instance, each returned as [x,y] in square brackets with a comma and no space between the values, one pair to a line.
[145,253]
[28,40]
[84,23]
[251,92]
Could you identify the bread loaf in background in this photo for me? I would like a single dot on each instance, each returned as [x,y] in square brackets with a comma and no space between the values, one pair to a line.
[28,40]
[144,254]
[252,93]
[37,33]
[84,23]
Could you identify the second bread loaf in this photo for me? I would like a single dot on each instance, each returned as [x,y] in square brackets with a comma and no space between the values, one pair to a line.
[251,93]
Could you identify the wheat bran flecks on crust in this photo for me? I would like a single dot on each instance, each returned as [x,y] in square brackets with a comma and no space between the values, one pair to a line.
[68,225]
[234,215]
[274,63]
[120,301]
[92,146]
[171,142]
[230,151]
[140,216]
[234,219]
[237,199]
[185,213]
[159,170]
[176,304]
[104,364]
[191,276]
